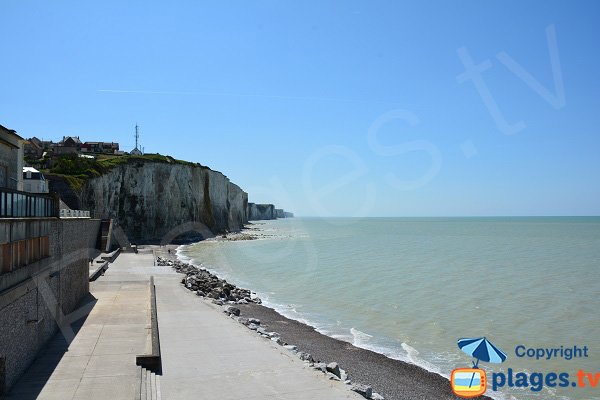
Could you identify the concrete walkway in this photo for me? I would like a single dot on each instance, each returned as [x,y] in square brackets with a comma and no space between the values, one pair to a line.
[100,362]
[205,354]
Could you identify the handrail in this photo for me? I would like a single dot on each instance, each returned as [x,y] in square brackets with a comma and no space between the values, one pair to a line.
[18,204]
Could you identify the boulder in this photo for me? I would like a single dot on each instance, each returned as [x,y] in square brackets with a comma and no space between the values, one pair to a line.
[320,367]
[305,357]
[333,377]
[234,310]
[334,368]
[364,390]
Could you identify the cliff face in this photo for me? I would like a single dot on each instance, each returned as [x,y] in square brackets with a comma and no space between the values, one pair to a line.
[151,200]
[260,211]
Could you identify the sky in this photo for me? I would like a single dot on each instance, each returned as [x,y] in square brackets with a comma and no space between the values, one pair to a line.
[328,108]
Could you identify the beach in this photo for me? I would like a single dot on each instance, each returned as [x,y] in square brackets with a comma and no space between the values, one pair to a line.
[394,379]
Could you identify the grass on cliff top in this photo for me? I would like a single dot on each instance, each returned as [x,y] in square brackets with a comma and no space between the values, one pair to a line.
[109,162]
[78,170]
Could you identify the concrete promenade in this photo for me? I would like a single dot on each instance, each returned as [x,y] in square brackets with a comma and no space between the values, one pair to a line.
[100,361]
[205,354]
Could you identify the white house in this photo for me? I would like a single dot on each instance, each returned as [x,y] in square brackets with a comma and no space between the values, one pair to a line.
[34,181]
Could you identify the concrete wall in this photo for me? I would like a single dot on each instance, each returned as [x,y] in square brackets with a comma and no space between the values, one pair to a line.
[35,297]
[35,186]
[11,160]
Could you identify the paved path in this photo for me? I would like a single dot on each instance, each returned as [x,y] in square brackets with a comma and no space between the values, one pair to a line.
[100,362]
[205,354]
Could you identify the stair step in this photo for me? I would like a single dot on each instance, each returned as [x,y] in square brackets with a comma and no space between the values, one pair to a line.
[143,392]
[149,385]
[153,385]
[158,394]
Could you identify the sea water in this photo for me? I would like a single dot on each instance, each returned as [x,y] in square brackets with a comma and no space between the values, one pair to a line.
[410,287]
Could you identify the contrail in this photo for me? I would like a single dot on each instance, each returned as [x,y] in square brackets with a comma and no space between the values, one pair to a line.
[280,97]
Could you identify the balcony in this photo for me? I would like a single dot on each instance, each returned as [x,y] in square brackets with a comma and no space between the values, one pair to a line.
[16,204]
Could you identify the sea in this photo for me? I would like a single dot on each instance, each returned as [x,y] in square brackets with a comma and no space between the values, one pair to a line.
[409,288]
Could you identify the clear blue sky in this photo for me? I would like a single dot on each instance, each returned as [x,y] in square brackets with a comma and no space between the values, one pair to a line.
[281,96]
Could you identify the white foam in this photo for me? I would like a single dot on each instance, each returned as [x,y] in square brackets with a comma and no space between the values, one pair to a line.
[360,338]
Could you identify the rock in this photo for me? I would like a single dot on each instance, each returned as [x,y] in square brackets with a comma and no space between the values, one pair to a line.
[234,310]
[276,340]
[252,327]
[364,390]
[218,302]
[262,331]
[334,368]
[305,357]
[343,375]
[377,396]
[254,321]
[242,301]
[243,321]
[291,347]
[321,367]
[332,377]
[200,293]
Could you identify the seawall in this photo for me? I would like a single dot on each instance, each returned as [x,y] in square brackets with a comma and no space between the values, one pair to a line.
[37,295]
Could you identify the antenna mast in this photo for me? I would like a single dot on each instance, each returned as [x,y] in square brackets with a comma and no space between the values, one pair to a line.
[137,135]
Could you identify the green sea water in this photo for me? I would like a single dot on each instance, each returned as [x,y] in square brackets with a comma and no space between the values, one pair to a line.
[410,287]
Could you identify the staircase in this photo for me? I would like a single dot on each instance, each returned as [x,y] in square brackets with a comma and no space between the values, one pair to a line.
[105,231]
[149,385]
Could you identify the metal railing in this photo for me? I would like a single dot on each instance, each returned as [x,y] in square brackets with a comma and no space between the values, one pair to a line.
[74,214]
[17,204]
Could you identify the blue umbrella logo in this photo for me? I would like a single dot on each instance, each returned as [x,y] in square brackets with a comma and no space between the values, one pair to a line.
[482,350]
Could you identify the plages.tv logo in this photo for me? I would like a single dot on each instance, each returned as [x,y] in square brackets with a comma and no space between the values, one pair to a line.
[471,382]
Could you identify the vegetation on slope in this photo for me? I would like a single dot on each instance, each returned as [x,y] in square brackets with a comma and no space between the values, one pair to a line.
[78,170]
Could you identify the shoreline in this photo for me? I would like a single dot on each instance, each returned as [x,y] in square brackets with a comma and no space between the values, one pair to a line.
[394,379]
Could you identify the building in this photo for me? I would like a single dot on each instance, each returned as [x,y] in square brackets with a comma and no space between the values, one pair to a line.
[44,262]
[68,145]
[33,148]
[100,147]
[11,159]
[34,181]
[70,141]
